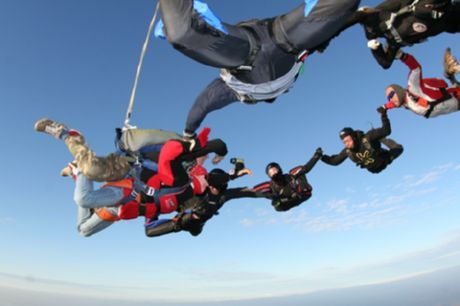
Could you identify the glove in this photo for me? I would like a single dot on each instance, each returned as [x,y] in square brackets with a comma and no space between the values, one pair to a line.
[373,44]
[318,153]
[382,110]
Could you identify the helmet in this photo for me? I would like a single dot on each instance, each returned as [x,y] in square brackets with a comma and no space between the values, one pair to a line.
[273,165]
[399,92]
[218,179]
[347,131]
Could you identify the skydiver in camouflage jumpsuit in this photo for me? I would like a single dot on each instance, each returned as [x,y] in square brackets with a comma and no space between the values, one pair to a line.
[112,167]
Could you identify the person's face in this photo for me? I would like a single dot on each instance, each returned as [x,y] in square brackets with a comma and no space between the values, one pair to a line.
[393,97]
[348,142]
[272,172]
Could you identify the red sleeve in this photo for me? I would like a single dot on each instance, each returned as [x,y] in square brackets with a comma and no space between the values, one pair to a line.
[390,105]
[263,187]
[411,62]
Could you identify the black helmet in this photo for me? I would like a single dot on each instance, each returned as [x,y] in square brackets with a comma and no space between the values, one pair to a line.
[273,165]
[218,179]
[347,131]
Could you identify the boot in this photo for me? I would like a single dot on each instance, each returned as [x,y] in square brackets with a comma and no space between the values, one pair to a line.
[51,127]
[451,65]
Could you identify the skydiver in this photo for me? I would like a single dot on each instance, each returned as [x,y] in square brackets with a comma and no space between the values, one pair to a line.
[146,144]
[259,59]
[201,208]
[365,149]
[125,199]
[428,97]
[406,22]
[288,190]
[163,192]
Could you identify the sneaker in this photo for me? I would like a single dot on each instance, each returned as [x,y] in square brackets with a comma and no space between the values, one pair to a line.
[451,65]
[70,170]
[51,127]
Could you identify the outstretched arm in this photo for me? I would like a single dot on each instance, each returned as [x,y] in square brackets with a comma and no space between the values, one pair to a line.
[336,159]
[310,164]
[217,146]
[244,192]
[264,188]
[161,227]
[382,132]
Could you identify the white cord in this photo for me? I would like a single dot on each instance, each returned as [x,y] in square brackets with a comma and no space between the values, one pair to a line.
[138,72]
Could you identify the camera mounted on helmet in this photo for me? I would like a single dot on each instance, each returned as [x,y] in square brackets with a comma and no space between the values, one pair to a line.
[239,165]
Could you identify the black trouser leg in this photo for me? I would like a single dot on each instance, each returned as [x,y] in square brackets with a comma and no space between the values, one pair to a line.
[216,96]
[395,148]
[312,23]
[190,34]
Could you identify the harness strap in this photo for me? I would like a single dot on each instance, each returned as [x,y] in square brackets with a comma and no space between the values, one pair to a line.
[285,45]
[445,96]
[389,23]
[171,191]
[107,215]
[254,40]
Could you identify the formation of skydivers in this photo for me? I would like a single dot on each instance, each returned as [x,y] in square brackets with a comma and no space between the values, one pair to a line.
[156,172]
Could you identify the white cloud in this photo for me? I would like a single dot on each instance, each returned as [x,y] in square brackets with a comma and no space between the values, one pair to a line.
[350,190]
[383,206]
[338,206]
[428,178]
[247,222]
[7,221]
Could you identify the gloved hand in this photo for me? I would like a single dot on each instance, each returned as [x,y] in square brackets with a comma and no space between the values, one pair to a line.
[318,153]
[373,44]
[382,110]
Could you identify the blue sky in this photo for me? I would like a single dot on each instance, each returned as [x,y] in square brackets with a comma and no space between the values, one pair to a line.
[74,61]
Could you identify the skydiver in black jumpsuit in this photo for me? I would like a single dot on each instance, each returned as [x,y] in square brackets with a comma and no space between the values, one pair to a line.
[259,59]
[201,208]
[406,22]
[365,149]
